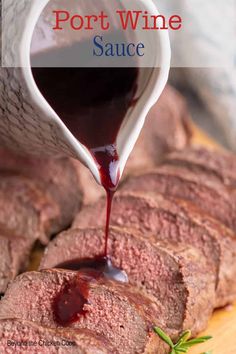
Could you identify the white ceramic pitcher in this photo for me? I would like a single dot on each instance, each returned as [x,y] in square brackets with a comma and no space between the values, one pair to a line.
[28,123]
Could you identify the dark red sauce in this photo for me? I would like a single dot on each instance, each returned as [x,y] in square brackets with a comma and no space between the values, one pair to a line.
[69,303]
[92,103]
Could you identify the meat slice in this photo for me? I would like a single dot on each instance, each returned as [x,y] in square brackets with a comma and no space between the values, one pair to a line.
[215,162]
[37,198]
[173,221]
[5,262]
[114,310]
[17,336]
[220,165]
[56,177]
[26,214]
[167,128]
[25,209]
[226,239]
[200,188]
[177,276]
[14,256]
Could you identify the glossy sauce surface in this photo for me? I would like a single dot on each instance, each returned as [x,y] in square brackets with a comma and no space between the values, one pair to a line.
[92,103]
[69,304]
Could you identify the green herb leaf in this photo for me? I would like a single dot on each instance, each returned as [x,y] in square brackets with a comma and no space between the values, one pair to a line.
[195,341]
[183,337]
[164,336]
[184,343]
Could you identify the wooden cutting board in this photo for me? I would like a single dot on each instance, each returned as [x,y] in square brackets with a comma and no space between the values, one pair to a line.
[222,325]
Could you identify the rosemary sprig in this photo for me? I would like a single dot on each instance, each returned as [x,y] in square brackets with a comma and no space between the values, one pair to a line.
[183,344]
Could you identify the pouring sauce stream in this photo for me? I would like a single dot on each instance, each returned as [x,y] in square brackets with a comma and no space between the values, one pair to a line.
[92,103]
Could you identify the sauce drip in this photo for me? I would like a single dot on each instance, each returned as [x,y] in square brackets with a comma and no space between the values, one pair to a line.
[70,304]
[92,103]
[109,172]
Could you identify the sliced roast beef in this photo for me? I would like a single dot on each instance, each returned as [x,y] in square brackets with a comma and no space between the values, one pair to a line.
[17,336]
[14,256]
[56,177]
[215,162]
[24,208]
[37,198]
[173,221]
[226,239]
[114,310]
[200,188]
[175,275]
[5,263]
[26,214]
[167,128]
